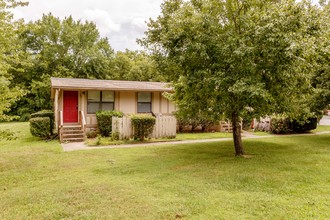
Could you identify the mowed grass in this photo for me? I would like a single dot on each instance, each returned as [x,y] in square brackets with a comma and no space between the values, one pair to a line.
[321,128]
[286,178]
[197,136]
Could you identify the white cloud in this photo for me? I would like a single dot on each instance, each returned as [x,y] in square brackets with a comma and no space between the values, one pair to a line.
[103,20]
[139,23]
[122,21]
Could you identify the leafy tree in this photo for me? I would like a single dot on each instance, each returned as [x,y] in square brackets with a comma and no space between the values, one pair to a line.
[232,55]
[8,54]
[134,65]
[58,48]
[321,78]
[186,116]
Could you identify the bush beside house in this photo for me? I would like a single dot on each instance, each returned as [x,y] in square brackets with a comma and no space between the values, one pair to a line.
[104,120]
[42,123]
[142,126]
[39,127]
[48,114]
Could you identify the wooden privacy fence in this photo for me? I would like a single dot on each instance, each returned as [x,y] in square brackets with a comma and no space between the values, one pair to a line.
[165,126]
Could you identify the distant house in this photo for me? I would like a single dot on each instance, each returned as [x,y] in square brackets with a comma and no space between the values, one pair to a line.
[77,100]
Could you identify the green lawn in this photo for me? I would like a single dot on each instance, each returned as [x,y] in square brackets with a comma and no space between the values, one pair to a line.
[287,178]
[197,136]
[103,141]
[321,128]
[188,136]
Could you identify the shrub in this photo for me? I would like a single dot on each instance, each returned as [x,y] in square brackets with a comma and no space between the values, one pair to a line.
[115,136]
[304,126]
[279,124]
[142,125]
[24,113]
[46,113]
[104,120]
[39,127]
[282,124]
[91,134]
[7,135]
[98,140]
[25,117]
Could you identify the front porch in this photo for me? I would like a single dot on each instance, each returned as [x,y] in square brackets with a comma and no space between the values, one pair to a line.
[70,122]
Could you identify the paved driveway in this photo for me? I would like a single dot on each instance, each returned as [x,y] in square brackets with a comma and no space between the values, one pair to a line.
[325,120]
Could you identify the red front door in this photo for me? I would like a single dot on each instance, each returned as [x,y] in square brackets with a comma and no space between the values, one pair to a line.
[70,106]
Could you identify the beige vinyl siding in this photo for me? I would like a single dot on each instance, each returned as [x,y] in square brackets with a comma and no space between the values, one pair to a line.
[127,102]
[164,105]
[155,105]
[172,107]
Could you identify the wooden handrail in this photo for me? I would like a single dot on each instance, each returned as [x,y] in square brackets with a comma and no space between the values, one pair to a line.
[61,118]
[83,120]
[61,126]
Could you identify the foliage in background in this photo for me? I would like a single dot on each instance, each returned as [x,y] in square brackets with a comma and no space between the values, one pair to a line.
[142,126]
[283,124]
[134,65]
[39,127]
[104,121]
[54,47]
[202,119]
[230,55]
[9,93]
[31,53]
[57,48]
[321,78]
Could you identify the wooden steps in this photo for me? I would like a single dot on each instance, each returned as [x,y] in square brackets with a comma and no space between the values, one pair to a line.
[225,127]
[72,133]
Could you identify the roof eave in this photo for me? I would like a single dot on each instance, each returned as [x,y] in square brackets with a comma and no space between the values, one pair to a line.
[112,89]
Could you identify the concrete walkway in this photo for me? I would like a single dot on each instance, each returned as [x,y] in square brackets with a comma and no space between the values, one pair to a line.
[245,135]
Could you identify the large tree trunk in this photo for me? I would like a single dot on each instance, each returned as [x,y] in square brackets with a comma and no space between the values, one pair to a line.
[237,134]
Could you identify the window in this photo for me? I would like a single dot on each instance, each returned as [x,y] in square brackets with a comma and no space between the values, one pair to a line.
[144,102]
[100,100]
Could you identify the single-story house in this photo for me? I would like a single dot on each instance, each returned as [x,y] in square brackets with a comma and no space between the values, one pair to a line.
[77,100]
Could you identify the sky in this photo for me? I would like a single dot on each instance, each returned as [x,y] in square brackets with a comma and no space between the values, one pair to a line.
[122,21]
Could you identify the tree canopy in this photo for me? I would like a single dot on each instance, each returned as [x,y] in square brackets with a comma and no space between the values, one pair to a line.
[321,78]
[51,47]
[9,94]
[134,65]
[234,55]
[58,48]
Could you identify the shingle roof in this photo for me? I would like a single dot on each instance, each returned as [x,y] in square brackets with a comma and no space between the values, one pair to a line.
[117,85]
